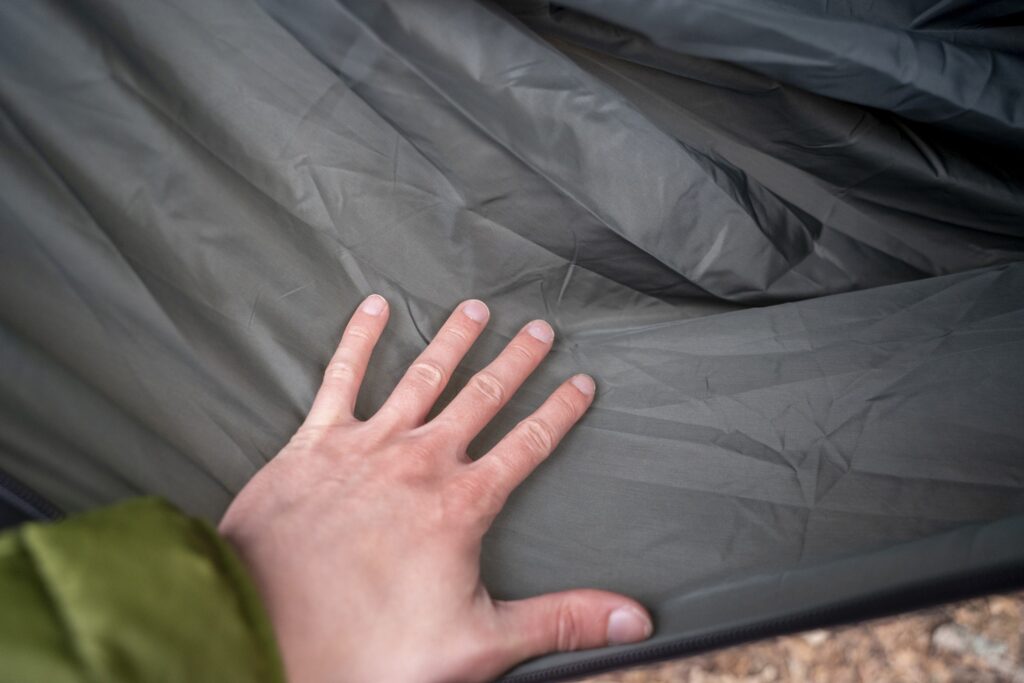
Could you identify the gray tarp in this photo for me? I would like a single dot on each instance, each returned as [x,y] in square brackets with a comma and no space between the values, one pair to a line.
[784,237]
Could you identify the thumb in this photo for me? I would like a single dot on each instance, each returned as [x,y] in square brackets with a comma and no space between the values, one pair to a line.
[571,620]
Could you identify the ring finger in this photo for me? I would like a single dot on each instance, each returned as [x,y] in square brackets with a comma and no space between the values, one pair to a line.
[337,394]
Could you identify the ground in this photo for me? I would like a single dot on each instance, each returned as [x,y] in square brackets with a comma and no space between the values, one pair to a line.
[978,641]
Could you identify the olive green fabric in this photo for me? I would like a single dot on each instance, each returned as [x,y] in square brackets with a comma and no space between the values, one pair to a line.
[134,592]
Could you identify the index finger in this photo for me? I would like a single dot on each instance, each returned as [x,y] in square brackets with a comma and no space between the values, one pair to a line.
[336,397]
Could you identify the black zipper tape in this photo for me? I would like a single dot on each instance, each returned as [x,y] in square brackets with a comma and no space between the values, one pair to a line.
[878,604]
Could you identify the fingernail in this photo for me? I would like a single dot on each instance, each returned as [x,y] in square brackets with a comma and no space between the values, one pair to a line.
[374,305]
[628,625]
[540,330]
[584,384]
[475,310]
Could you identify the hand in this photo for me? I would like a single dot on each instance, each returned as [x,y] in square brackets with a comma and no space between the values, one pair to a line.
[364,536]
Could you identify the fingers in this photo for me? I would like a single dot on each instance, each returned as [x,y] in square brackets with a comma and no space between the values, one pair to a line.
[571,620]
[337,395]
[427,377]
[531,441]
[490,389]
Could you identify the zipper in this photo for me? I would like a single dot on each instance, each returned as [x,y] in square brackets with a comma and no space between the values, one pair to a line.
[26,500]
[879,604]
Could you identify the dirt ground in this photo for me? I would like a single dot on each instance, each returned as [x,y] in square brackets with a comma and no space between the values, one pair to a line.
[978,641]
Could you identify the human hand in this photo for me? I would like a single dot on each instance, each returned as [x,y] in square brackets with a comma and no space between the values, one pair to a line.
[364,536]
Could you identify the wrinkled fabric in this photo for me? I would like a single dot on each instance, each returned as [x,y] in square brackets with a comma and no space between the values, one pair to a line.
[803,302]
[956,64]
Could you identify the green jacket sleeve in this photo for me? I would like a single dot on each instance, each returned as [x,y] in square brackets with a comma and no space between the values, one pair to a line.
[134,592]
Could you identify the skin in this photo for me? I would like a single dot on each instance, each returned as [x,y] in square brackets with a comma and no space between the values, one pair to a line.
[364,537]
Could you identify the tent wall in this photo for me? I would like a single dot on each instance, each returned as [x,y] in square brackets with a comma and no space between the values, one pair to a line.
[805,316]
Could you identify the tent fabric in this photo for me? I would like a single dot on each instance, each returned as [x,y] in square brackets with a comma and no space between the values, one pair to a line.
[955,64]
[785,238]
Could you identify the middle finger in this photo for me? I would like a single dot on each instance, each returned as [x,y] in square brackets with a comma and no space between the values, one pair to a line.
[427,377]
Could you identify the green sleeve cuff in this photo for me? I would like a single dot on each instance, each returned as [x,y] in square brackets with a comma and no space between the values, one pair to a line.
[133,592]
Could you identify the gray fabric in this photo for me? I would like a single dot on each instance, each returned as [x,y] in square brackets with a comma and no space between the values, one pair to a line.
[195,195]
[956,64]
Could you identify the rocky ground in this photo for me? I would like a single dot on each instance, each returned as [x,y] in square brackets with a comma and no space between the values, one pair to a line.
[979,641]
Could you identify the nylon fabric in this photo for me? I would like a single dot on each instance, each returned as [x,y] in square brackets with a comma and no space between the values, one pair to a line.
[798,286]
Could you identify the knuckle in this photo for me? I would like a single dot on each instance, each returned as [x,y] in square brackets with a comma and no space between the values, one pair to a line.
[459,334]
[489,387]
[521,352]
[429,373]
[359,332]
[419,455]
[569,626]
[417,459]
[565,408]
[538,435]
[469,494]
[340,370]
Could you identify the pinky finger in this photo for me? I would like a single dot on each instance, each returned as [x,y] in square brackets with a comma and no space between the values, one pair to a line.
[336,398]
[531,441]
